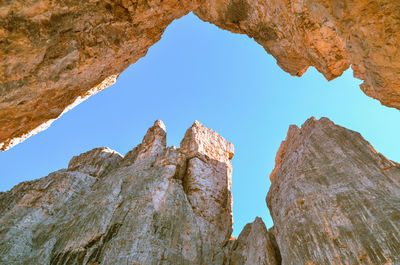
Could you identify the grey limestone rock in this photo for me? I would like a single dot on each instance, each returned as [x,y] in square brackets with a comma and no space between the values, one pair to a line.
[334,199]
[253,246]
[106,209]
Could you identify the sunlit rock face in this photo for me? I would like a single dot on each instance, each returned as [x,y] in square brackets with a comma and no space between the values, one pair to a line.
[156,205]
[334,199]
[54,54]
[207,184]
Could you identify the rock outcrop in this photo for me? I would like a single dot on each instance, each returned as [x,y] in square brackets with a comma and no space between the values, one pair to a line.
[207,184]
[334,199]
[253,246]
[156,205]
[54,54]
[329,35]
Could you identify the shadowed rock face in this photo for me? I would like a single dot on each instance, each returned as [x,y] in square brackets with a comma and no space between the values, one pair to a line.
[334,199]
[253,246]
[54,54]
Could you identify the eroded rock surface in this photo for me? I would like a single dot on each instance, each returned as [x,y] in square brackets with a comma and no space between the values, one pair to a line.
[207,184]
[334,199]
[153,206]
[253,246]
[54,54]
[96,162]
[329,35]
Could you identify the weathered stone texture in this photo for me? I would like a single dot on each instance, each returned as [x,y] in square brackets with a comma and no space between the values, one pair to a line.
[105,209]
[207,184]
[253,246]
[96,162]
[334,199]
[54,54]
[329,35]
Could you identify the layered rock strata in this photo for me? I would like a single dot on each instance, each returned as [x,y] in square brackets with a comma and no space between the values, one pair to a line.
[54,54]
[334,199]
[156,205]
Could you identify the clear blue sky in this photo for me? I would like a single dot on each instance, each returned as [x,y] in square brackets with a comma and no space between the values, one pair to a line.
[227,82]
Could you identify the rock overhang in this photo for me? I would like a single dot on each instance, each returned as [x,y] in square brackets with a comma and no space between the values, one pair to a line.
[57,54]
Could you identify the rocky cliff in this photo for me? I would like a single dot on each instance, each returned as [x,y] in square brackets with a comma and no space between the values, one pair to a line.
[333,200]
[155,205]
[54,54]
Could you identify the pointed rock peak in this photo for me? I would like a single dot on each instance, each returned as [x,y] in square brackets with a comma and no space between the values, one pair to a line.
[314,122]
[201,140]
[154,142]
[327,139]
[160,124]
[329,173]
[257,225]
[196,123]
[259,221]
[296,136]
[247,247]
[95,162]
[157,134]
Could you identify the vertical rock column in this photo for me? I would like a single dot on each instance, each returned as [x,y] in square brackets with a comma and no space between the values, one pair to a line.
[334,199]
[207,184]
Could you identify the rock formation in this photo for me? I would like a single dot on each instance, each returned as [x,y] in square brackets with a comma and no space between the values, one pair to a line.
[329,35]
[207,184]
[156,205]
[54,54]
[253,246]
[334,199]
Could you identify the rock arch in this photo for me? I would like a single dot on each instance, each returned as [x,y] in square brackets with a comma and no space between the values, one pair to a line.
[54,54]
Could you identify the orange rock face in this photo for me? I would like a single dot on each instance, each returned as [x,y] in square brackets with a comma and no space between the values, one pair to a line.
[329,35]
[54,54]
